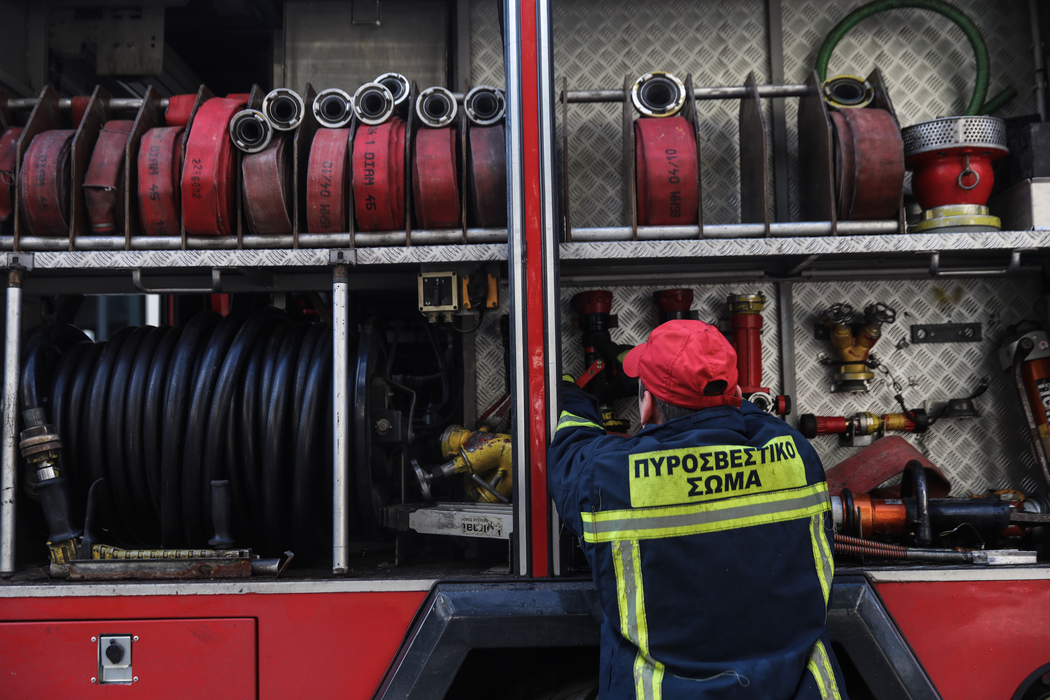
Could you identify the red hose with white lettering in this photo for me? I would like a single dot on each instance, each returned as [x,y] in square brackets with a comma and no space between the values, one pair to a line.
[378,176]
[159,167]
[267,177]
[209,177]
[665,159]
[487,170]
[8,144]
[43,183]
[435,181]
[104,179]
[326,182]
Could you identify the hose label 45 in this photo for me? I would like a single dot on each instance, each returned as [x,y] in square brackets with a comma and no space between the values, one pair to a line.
[713,472]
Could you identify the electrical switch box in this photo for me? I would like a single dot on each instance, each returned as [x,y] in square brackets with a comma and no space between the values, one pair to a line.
[438,292]
[114,658]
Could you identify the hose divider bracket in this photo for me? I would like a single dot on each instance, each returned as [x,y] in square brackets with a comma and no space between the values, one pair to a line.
[342,257]
[18,261]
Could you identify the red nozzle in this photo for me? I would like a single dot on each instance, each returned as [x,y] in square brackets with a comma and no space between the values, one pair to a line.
[596,301]
[670,301]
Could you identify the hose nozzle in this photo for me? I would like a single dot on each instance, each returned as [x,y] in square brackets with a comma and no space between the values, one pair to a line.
[485,105]
[373,104]
[333,108]
[436,107]
[284,109]
[658,94]
[250,130]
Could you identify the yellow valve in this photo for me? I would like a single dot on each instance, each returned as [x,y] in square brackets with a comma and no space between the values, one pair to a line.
[479,453]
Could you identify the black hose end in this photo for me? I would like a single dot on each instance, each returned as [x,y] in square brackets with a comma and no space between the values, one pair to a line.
[220,514]
[807,425]
[54,497]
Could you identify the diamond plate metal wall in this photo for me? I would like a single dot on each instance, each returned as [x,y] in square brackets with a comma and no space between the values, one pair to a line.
[597,44]
[638,316]
[486,45]
[490,374]
[926,60]
[976,453]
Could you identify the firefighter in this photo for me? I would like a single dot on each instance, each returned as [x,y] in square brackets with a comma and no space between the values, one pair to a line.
[708,532]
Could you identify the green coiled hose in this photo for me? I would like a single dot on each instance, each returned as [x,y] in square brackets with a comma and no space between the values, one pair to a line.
[980,51]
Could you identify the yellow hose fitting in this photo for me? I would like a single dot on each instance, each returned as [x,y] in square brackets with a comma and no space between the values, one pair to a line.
[480,452]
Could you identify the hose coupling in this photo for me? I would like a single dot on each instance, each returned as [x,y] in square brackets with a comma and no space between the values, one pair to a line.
[373,104]
[398,86]
[485,105]
[847,92]
[333,108]
[284,108]
[250,130]
[658,94]
[436,107]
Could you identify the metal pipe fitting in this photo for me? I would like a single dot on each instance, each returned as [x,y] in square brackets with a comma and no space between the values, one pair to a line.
[847,92]
[373,104]
[658,94]
[250,130]
[284,108]
[333,108]
[398,86]
[485,105]
[436,107]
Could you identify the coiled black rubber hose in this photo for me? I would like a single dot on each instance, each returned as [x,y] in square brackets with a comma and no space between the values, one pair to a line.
[161,412]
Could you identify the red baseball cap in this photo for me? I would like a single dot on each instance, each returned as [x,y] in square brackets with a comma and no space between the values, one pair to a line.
[678,361]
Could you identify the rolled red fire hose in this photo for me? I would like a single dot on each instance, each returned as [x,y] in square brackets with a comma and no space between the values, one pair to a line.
[326,182]
[104,179]
[159,167]
[267,179]
[666,165]
[378,176]
[487,170]
[78,106]
[869,164]
[180,108]
[209,178]
[43,183]
[8,144]
[435,179]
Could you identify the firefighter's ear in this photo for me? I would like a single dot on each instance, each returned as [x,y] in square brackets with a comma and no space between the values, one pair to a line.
[647,409]
[739,392]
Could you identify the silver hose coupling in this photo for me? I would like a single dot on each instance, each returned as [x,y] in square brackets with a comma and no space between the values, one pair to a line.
[436,107]
[373,104]
[284,108]
[250,130]
[485,105]
[658,94]
[398,86]
[333,108]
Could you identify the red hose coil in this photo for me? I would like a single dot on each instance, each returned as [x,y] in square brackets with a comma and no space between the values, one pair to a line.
[435,179]
[180,107]
[78,106]
[326,182]
[378,176]
[159,167]
[267,177]
[8,144]
[209,178]
[666,164]
[869,164]
[43,183]
[487,170]
[104,179]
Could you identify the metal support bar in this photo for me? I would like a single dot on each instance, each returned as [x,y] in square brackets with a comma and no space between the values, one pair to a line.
[9,464]
[734,92]
[786,316]
[341,420]
[1040,64]
[516,275]
[263,242]
[794,229]
[215,288]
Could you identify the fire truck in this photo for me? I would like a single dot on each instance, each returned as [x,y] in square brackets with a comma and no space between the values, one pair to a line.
[292,288]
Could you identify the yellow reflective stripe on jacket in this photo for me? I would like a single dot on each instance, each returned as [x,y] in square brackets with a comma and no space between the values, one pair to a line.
[568,420]
[630,595]
[822,556]
[819,665]
[716,516]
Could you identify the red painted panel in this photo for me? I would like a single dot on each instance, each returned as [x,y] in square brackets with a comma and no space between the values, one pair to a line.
[172,659]
[310,645]
[976,639]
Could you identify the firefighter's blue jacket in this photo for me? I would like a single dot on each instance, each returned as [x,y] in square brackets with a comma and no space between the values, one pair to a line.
[709,538]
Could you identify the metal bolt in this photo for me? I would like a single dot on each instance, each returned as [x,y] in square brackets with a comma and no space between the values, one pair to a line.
[920,333]
[135,679]
[135,638]
[968,332]
[93,680]
[93,639]
[383,426]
